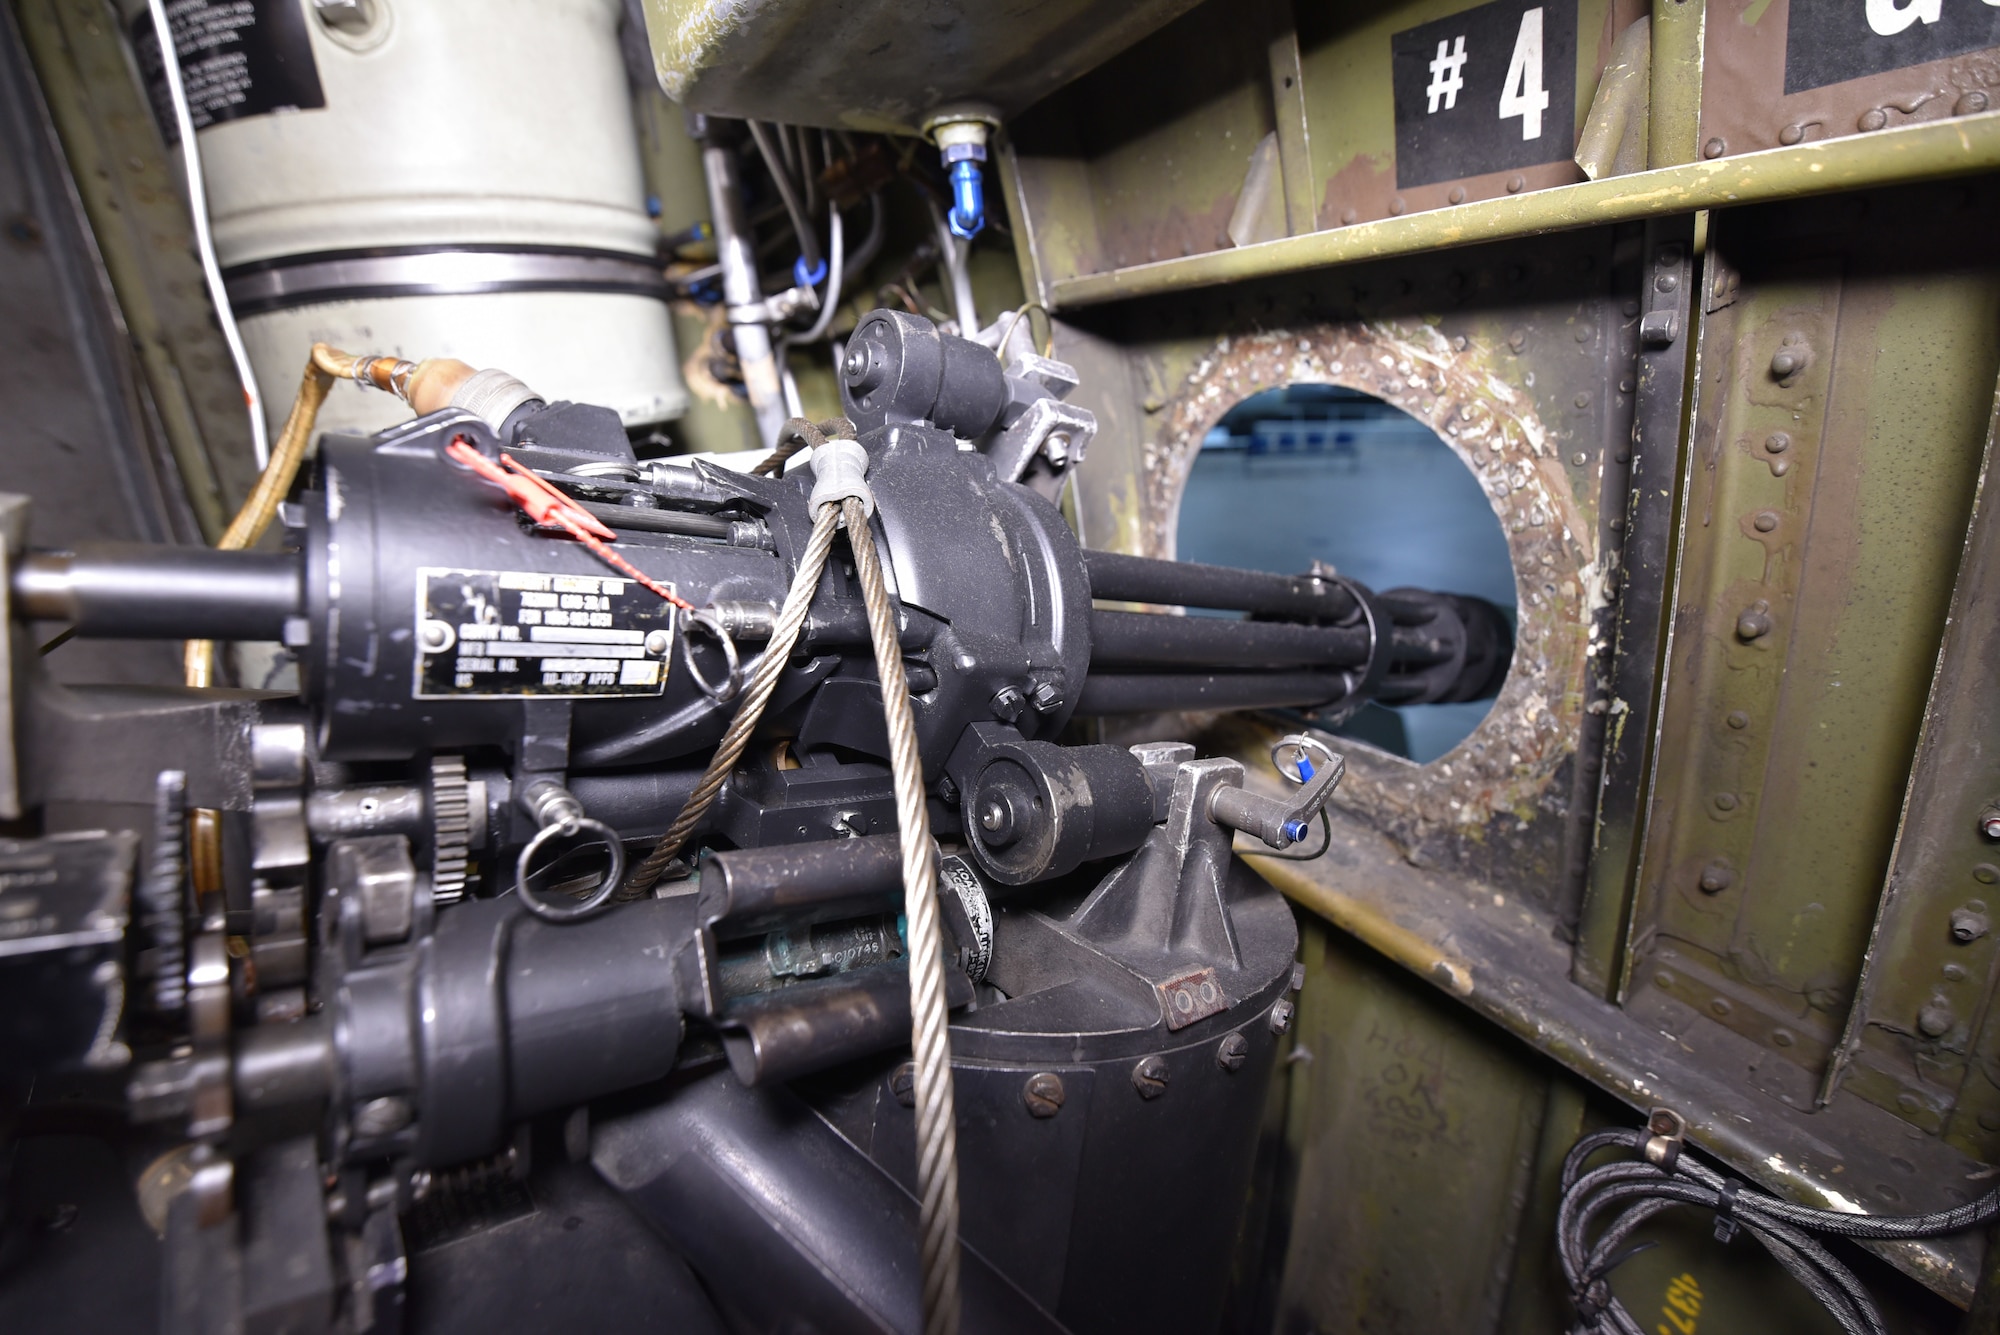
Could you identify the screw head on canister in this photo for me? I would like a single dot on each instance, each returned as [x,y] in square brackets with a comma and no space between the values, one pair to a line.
[1281,1016]
[1150,1077]
[1043,1094]
[1232,1052]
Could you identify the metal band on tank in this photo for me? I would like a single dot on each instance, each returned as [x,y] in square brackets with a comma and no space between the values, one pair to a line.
[305,280]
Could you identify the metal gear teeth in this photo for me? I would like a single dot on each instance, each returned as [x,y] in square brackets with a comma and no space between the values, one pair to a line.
[451,828]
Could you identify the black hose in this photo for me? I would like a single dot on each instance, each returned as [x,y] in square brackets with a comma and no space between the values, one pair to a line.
[871,245]
[1646,1186]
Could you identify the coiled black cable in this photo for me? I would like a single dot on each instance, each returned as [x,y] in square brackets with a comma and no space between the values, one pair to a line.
[1663,1177]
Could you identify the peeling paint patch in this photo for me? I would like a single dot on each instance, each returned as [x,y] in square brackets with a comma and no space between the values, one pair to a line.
[1456,976]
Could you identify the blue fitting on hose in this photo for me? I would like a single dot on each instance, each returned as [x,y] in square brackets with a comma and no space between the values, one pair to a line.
[1295,830]
[805,277]
[968,200]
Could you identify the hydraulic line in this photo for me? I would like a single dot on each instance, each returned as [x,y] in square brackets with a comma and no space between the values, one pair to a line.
[423,385]
[937,1134]
[204,237]
[735,251]
[958,281]
[809,254]
[831,301]
[323,366]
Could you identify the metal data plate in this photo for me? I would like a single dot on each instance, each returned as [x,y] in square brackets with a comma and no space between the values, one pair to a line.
[1780,72]
[498,634]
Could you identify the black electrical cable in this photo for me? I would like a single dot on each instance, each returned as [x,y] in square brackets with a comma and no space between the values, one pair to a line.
[871,245]
[1664,1177]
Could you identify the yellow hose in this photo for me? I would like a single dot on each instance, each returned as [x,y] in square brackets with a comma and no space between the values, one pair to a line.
[323,367]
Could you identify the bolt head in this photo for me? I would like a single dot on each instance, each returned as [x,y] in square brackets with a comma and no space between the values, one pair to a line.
[1936,1019]
[1717,877]
[1968,925]
[658,643]
[1007,703]
[903,1084]
[1150,1077]
[1281,1016]
[1989,825]
[1043,1094]
[1232,1052]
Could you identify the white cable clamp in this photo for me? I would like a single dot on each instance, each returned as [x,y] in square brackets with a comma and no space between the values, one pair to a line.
[840,471]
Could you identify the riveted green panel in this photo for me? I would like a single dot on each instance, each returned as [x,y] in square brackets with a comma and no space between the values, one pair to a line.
[1144,159]
[1414,1137]
[1843,401]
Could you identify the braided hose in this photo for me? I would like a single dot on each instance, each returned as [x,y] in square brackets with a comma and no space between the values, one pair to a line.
[1644,1188]
[937,1131]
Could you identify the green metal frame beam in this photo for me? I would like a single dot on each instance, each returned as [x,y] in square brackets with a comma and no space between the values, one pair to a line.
[1929,151]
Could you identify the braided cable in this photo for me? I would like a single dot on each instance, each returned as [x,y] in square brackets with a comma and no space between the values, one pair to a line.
[795,435]
[763,681]
[1638,1189]
[937,1131]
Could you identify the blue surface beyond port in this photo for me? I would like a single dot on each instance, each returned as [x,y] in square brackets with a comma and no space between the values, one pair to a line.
[1315,472]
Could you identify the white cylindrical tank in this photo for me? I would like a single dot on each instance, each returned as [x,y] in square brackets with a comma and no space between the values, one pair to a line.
[430,178]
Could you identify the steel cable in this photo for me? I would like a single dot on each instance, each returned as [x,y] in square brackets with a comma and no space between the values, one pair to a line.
[796,435]
[763,681]
[937,1131]
[1644,1188]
